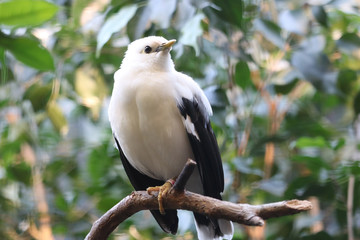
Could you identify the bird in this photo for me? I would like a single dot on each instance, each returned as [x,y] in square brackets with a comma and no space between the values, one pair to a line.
[159,119]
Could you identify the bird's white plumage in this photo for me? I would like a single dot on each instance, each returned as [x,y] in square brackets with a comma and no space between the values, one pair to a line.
[144,114]
[148,125]
[206,232]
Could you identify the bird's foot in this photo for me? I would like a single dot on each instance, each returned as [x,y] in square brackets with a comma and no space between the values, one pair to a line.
[163,190]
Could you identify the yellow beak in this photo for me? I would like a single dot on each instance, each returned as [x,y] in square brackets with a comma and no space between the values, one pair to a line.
[169,43]
[166,46]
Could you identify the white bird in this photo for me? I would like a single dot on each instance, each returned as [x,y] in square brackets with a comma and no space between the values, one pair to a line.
[160,118]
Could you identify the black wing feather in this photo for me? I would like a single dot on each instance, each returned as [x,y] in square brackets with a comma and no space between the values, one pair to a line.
[169,221]
[206,153]
[205,147]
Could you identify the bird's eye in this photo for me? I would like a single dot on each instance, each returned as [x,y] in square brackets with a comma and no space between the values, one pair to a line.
[148,49]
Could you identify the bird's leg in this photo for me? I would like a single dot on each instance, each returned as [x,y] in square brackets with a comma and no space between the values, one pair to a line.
[163,190]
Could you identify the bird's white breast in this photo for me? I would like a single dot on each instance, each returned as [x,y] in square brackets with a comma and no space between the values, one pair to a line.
[145,119]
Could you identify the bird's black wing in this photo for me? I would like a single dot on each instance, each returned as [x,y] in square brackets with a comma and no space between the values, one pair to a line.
[206,152]
[204,145]
[169,221]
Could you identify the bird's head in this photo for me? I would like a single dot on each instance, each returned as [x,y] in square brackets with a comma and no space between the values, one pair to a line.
[150,53]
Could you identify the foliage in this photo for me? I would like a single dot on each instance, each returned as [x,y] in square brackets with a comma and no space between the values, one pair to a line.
[282,76]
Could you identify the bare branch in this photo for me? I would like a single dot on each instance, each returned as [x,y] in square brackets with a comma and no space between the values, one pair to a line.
[184,175]
[252,215]
[179,198]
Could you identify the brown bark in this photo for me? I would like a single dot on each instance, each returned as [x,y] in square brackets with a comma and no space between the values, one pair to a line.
[252,215]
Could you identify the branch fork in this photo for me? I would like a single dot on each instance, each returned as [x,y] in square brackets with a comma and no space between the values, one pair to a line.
[179,198]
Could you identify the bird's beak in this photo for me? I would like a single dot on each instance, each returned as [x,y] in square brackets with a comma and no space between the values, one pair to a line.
[166,46]
[169,43]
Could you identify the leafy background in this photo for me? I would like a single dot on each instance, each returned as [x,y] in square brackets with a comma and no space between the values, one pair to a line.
[282,77]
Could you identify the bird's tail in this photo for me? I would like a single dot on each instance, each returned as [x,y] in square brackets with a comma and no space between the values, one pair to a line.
[213,229]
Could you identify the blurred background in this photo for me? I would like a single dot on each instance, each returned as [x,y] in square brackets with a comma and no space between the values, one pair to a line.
[282,77]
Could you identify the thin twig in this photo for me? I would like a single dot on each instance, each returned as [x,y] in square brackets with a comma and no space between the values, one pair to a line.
[184,176]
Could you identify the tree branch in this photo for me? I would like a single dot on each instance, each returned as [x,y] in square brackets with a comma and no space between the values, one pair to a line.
[184,176]
[178,198]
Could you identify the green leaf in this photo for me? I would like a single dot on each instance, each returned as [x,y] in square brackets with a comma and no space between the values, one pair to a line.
[311,142]
[60,229]
[229,11]
[315,164]
[349,42]
[61,203]
[191,31]
[338,144]
[286,88]
[305,124]
[299,185]
[28,51]
[317,236]
[137,25]
[320,15]
[98,169]
[271,31]
[38,95]
[57,117]
[242,75]
[24,13]
[346,81]
[106,202]
[349,168]
[357,104]
[114,24]
[3,69]
[19,172]
[316,68]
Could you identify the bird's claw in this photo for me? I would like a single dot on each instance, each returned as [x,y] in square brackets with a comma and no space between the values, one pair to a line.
[163,190]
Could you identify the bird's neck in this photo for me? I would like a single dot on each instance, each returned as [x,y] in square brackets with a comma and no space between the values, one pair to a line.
[161,64]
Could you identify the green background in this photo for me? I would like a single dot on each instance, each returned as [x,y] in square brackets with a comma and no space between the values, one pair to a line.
[282,77]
